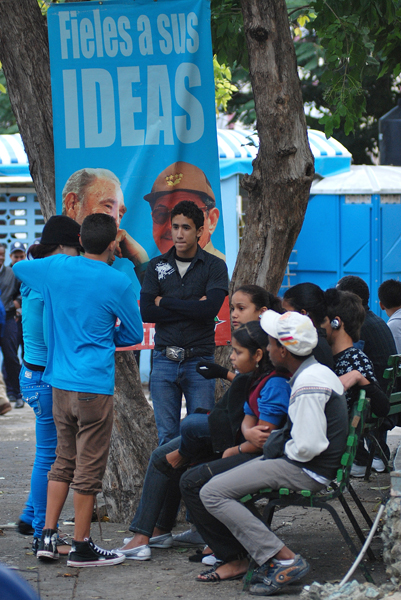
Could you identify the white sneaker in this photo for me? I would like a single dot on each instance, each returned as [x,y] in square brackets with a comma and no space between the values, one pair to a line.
[358,470]
[158,541]
[211,560]
[161,541]
[188,539]
[378,465]
[138,553]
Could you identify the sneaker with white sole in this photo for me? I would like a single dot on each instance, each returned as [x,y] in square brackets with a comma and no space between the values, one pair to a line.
[158,541]
[358,470]
[188,539]
[270,577]
[138,553]
[47,549]
[378,465]
[88,554]
[161,541]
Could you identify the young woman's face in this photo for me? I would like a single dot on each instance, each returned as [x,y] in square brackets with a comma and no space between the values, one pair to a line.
[241,358]
[243,309]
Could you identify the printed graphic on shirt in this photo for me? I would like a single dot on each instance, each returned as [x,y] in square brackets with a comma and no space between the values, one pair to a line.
[163,269]
[348,360]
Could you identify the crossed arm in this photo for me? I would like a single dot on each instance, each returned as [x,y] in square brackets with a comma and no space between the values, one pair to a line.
[166,309]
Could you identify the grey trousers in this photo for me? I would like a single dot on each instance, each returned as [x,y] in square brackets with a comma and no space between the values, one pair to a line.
[221,493]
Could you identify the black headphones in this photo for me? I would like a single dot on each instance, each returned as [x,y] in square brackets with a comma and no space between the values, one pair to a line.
[335,324]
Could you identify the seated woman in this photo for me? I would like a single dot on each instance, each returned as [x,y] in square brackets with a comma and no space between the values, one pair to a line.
[196,439]
[256,382]
[308,299]
[346,315]
[248,303]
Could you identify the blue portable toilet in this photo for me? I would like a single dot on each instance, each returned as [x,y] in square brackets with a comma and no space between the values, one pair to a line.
[352,227]
[237,150]
[13,159]
[20,215]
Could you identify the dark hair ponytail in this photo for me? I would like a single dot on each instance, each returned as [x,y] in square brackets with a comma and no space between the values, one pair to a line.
[41,250]
[252,337]
[261,297]
[310,298]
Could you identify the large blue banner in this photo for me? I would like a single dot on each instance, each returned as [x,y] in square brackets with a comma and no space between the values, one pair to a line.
[134,119]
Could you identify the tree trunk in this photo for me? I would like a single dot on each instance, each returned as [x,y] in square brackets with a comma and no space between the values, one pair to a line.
[132,440]
[283,170]
[24,53]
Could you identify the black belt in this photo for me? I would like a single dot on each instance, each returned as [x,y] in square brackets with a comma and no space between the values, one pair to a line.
[33,367]
[176,353]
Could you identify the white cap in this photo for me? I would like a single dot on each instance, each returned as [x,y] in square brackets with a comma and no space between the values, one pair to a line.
[294,331]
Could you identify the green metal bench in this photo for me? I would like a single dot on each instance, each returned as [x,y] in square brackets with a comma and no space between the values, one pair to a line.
[286,497]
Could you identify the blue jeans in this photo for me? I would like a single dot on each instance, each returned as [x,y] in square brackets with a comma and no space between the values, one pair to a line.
[169,381]
[160,497]
[195,437]
[39,396]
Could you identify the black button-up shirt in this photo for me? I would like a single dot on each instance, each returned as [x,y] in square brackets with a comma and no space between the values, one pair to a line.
[182,319]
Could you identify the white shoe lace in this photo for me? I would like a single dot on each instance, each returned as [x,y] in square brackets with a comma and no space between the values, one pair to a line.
[99,550]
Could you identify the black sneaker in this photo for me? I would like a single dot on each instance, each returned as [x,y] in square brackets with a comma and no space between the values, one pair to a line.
[87,554]
[48,545]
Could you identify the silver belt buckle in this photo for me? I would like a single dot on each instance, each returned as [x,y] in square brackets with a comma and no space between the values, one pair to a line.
[175,353]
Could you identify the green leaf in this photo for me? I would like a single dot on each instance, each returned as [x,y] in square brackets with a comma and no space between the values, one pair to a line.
[348,126]
[371,60]
[328,129]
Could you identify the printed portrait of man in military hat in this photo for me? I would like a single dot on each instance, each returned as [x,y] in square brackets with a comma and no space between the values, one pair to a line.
[182,181]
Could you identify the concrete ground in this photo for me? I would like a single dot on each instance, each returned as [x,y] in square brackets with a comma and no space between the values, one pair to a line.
[168,575]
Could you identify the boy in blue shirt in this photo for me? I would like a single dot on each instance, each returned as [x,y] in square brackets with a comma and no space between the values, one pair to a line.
[83,298]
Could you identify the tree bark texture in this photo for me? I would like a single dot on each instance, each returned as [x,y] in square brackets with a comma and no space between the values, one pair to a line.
[24,53]
[133,438]
[283,170]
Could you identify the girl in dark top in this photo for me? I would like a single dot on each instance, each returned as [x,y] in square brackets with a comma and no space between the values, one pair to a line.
[309,299]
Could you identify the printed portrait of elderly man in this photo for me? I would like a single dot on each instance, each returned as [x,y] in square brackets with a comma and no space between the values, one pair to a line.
[89,191]
[182,181]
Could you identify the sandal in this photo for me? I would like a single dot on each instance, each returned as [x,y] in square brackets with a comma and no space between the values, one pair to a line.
[211,576]
[63,546]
